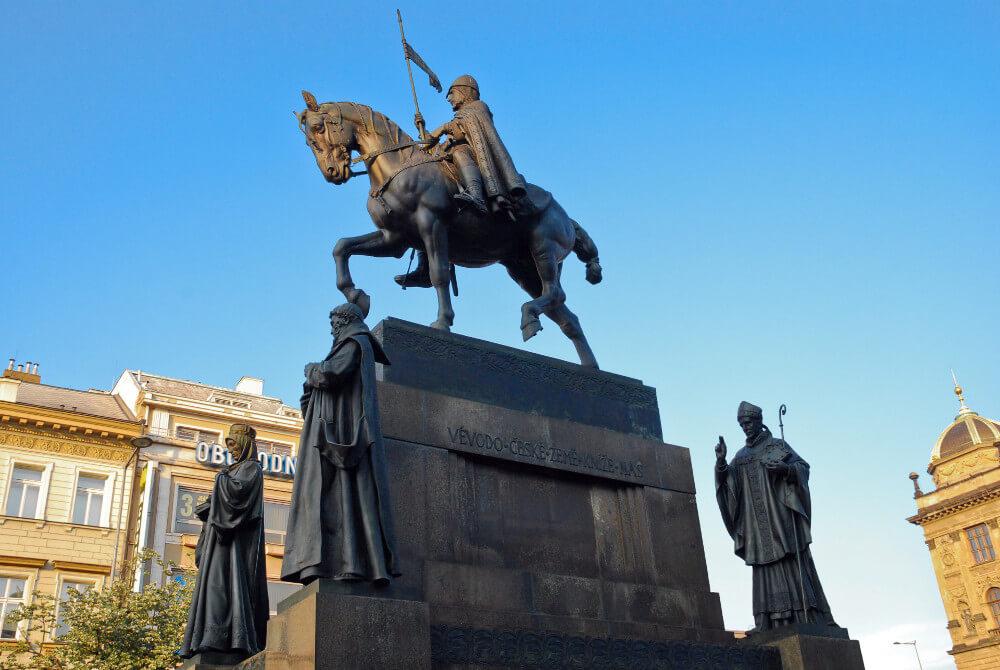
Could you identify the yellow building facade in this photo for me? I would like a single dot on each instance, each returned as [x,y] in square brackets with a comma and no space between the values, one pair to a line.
[960,520]
[187,422]
[66,474]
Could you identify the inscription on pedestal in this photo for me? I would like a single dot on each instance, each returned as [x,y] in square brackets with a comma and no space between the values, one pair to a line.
[539,452]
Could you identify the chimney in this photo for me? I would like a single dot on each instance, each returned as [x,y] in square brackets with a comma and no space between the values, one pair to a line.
[23,372]
[250,386]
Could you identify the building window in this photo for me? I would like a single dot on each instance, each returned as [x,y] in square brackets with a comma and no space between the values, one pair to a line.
[197,435]
[278,448]
[61,626]
[88,506]
[993,600]
[185,503]
[11,597]
[25,491]
[275,522]
[979,541]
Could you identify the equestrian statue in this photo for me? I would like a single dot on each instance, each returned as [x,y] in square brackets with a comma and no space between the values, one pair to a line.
[459,203]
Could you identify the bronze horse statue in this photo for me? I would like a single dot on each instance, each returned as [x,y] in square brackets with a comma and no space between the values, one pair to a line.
[411,203]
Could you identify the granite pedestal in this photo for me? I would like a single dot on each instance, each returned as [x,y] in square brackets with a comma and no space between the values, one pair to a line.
[541,521]
[211,660]
[812,647]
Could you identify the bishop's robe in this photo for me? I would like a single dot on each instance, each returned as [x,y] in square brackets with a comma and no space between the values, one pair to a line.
[339,524]
[230,608]
[768,516]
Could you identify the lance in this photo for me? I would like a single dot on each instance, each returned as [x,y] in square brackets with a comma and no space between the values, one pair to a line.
[409,71]
[795,528]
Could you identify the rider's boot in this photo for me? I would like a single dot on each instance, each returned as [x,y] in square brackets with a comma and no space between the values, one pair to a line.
[472,181]
[420,277]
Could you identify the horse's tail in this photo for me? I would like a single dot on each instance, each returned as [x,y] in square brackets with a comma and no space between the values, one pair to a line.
[586,251]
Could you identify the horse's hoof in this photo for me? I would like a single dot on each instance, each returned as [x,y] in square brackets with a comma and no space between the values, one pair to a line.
[441,324]
[362,300]
[530,329]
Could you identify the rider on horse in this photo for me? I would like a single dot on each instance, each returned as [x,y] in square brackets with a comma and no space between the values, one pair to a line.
[485,168]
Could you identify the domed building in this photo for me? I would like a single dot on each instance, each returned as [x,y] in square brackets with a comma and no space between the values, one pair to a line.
[960,518]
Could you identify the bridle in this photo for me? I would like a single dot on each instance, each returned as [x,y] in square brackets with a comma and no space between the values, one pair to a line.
[333,117]
[337,121]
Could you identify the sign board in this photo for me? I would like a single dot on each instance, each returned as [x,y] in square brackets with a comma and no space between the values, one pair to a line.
[216,455]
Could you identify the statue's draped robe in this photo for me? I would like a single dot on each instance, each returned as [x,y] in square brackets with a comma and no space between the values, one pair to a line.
[339,524]
[500,177]
[768,517]
[229,610]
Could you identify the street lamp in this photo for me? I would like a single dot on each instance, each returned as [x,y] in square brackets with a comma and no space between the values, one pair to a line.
[914,643]
[139,442]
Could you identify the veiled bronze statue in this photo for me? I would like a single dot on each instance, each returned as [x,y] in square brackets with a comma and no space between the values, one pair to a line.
[229,610]
[340,521]
[462,203]
[763,494]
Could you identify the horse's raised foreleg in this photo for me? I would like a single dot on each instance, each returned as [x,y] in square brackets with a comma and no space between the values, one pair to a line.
[377,244]
[548,262]
[435,237]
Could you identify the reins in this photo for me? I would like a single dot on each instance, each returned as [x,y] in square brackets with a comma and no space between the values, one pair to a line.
[385,150]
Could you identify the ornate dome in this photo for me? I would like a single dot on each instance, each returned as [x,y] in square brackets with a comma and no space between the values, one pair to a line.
[966,431]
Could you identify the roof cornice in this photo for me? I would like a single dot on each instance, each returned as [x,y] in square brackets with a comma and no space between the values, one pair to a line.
[48,415]
[215,411]
[956,504]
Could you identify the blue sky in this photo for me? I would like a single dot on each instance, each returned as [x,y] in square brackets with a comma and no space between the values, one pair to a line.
[793,204]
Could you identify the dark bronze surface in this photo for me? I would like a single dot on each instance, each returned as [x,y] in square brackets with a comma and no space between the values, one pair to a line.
[763,495]
[229,610]
[340,521]
[462,203]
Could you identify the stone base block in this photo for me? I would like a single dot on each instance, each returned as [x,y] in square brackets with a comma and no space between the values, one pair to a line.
[813,648]
[213,660]
[324,629]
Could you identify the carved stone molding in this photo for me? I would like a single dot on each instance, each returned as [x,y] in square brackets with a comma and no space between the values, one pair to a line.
[97,448]
[543,649]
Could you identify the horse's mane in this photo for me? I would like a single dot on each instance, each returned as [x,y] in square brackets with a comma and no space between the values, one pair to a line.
[373,120]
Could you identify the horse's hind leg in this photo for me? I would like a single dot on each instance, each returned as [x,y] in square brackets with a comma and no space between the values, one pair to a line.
[527,278]
[548,263]
[376,244]
[570,325]
[435,238]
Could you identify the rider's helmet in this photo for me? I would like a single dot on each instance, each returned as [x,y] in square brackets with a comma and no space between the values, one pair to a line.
[468,81]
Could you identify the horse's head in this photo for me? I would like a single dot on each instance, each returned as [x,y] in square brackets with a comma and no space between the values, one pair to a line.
[330,137]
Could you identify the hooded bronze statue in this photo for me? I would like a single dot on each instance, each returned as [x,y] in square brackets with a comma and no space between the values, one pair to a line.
[229,610]
[763,494]
[339,524]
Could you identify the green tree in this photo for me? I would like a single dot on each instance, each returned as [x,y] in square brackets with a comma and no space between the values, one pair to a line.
[112,629]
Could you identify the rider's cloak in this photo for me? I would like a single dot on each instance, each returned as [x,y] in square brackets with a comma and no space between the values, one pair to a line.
[339,524]
[500,177]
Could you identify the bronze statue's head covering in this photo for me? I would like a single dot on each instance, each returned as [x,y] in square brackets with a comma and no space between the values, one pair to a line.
[749,409]
[468,81]
[347,312]
[242,442]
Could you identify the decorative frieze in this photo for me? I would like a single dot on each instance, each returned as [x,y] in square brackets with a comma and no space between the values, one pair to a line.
[97,448]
